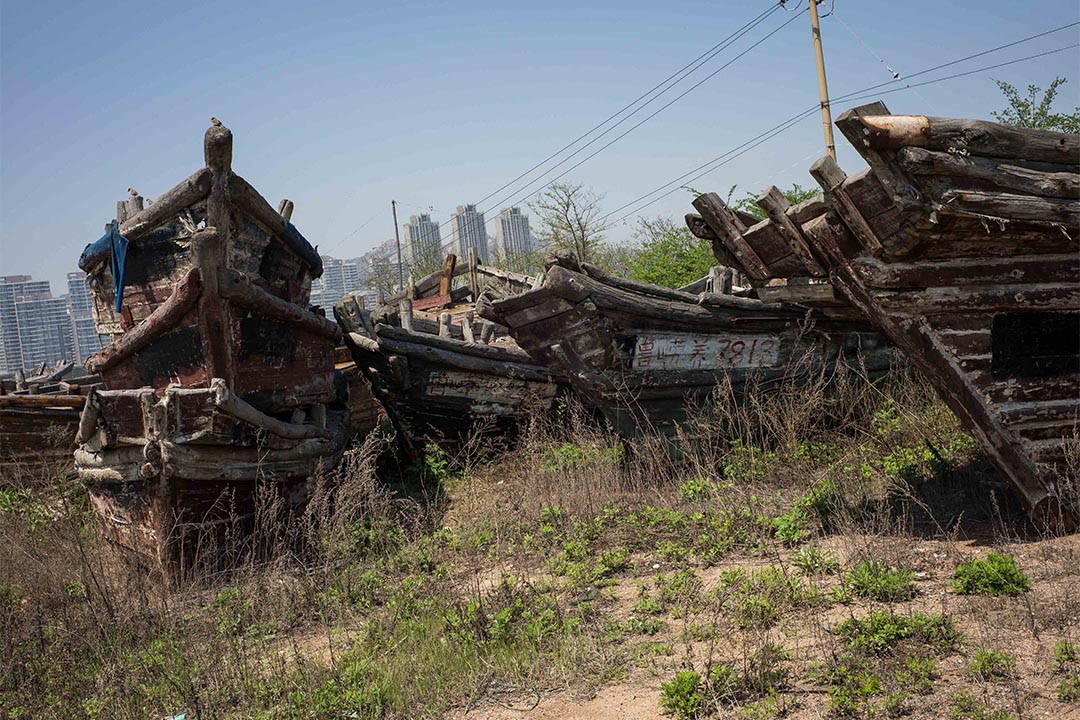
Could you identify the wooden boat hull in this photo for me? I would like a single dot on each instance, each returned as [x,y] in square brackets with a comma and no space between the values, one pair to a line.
[219,380]
[446,391]
[38,434]
[962,244]
[645,356]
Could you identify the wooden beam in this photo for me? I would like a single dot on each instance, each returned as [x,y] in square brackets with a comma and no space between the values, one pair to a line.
[208,254]
[1031,178]
[447,274]
[831,179]
[775,205]
[976,137]
[239,289]
[1013,207]
[729,229]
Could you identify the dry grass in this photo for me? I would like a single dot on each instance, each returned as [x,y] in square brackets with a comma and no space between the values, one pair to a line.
[573,574]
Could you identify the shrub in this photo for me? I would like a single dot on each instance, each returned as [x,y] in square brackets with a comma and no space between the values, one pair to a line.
[964,706]
[1066,655]
[989,665]
[813,561]
[878,581]
[881,631]
[1068,690]
[681,696]
[996,575]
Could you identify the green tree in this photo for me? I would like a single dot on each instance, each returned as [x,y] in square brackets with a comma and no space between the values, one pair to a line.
[668,254]
[1031,111]
[795,195]
[569,217]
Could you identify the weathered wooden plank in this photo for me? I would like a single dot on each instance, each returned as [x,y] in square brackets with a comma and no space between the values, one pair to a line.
[946,300]
[1009,206]
[808,209]
[730,230]
[831,178]
[700,229]
[542,310]
[883,168]
[1003,174]
[979,271]
[775,205]
[168,205]
[976,137]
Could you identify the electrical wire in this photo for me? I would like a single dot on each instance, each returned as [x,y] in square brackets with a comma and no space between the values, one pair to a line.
[862,94]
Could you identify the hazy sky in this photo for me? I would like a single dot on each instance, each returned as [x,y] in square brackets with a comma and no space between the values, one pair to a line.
[342,106]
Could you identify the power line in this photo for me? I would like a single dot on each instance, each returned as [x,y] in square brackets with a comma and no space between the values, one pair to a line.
[696,63]
[852,96]
[651,116]
[680,75]
[969,57]
[741,149]
[972,72]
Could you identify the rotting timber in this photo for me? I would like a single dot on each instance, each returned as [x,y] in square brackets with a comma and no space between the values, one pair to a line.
[441,376]
[645,356]
[962,244]
[218,377]
[39,414]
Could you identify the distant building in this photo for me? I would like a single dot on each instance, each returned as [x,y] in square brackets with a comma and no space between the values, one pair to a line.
[339,277]
[512,236]
[84,333]
[423,243]
[79,292]
[469,231]
[46,334]
[36,327]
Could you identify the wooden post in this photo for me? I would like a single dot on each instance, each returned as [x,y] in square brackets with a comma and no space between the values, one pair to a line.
[397,238]
[486,332]
[467,327]
[444,324]
[405,313]
[447,278]
[217,151]
[285,209]
[208,250]
[410,288]
[474,280]
[823,86]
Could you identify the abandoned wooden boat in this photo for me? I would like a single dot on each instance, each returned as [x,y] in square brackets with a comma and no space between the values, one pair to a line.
[39,414]
[441,378]
[218,377]
[962,244]
[645,356]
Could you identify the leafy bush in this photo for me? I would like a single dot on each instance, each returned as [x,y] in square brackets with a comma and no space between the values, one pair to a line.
[996,575]
[878,581]
[1068,690]
[882,631]
[681,696]
[1066,656]
[989,665]
[964,706]
[814,561]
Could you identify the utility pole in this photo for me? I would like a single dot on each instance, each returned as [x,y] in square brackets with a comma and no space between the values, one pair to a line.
[397,237]
[823,87]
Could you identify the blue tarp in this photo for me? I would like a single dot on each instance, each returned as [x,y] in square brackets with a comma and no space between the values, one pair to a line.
[115,246]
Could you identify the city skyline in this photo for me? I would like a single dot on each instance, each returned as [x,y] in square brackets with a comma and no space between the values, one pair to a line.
[36,327]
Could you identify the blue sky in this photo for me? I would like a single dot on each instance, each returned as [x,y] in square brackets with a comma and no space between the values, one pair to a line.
[342,106]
